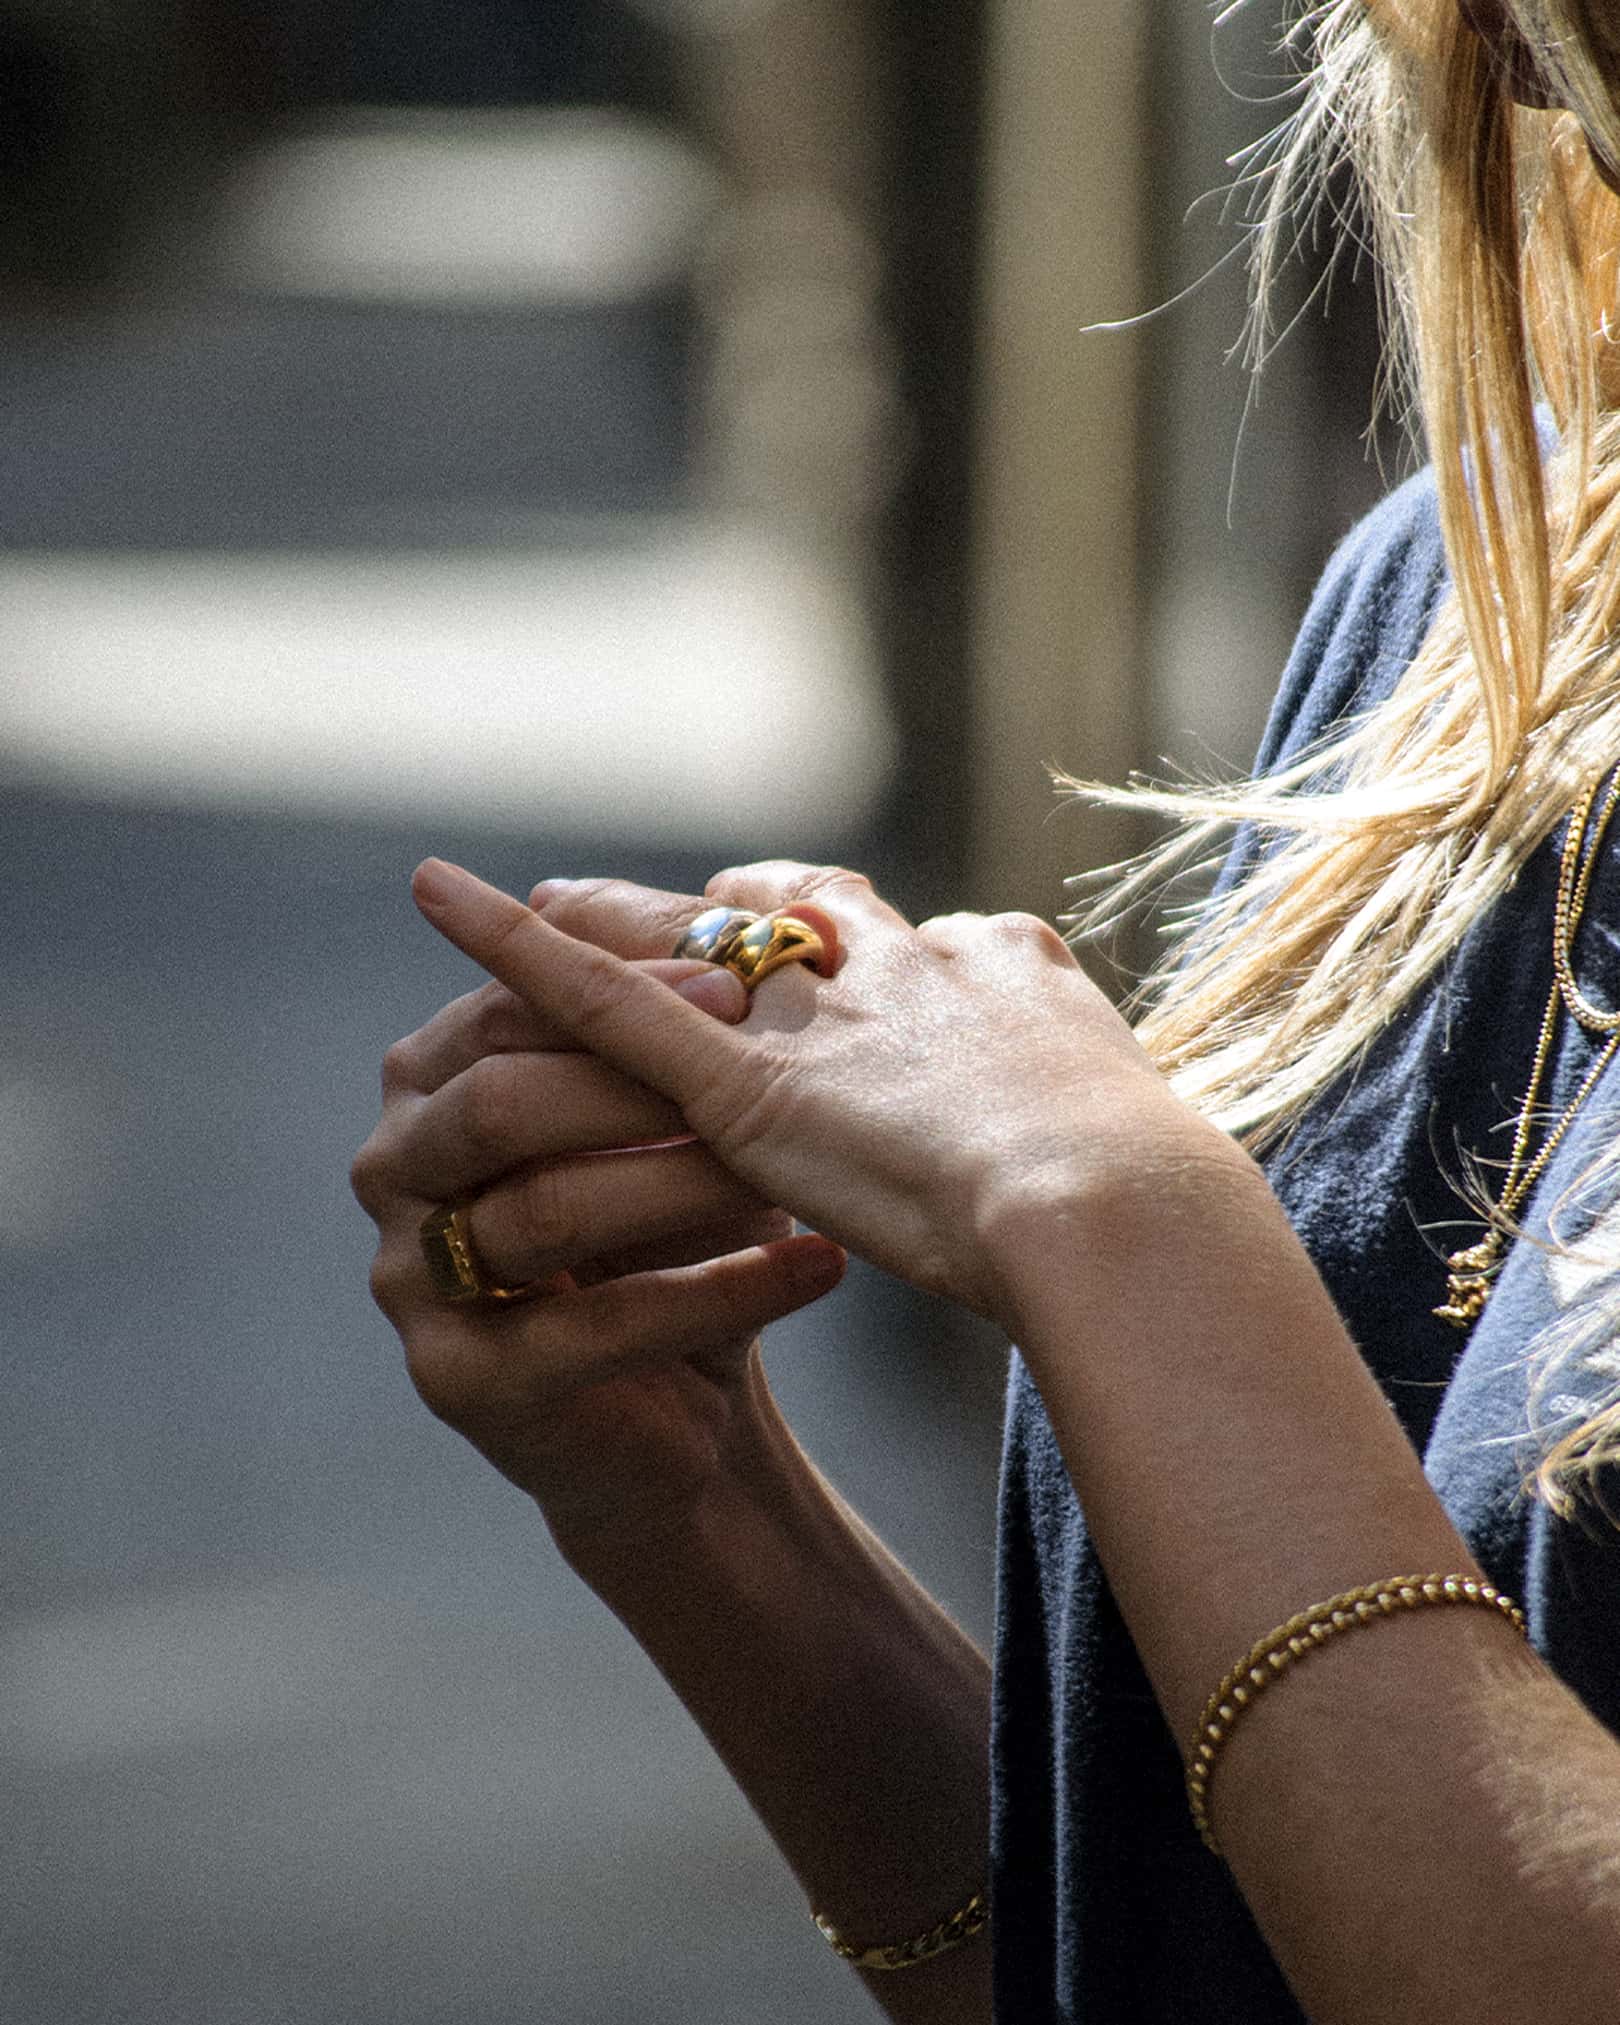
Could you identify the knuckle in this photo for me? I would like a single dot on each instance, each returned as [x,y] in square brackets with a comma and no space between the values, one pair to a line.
[365,1180]
[396,1280]
[496,1018]
[788,878]
[452,1365]
[383,1280]
[438,1376]
[830,879]
[399,1064]
[585,899]
[488,1101]
[466,1368]
[733,875]
[508,1030]
[1032,931]
[588,892]
[573,900]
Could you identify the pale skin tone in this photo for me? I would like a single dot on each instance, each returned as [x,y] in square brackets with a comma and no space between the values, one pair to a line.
[1425,1822]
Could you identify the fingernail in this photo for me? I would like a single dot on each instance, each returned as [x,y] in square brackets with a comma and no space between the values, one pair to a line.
[716,991]
[437,884]
[816,1262]
[548,890]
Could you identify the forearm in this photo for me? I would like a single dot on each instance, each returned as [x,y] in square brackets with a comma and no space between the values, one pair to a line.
[851,1710]
[1425,1823]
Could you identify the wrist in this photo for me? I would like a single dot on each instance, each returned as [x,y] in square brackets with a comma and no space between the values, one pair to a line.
[637,1554]
[1071,1241]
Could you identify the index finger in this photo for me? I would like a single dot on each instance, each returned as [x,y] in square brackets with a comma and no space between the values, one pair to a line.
[614,1008]
[493,1020]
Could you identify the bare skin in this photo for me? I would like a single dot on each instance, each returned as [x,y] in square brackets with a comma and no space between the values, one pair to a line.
[959,1104]
[632,1406]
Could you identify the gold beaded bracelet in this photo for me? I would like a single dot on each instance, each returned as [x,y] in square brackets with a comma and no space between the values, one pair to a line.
[1301,1636]
[951,1932]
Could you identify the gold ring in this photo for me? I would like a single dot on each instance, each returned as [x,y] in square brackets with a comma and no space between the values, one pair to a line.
[750,946]
[454,1266]
[766,945]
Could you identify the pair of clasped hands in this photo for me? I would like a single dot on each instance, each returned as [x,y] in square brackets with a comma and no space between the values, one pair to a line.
[637,1136]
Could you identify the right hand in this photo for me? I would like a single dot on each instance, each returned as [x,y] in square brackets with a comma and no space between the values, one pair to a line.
[613,1399]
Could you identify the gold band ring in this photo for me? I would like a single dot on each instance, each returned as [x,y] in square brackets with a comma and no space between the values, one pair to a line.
[768,944]
[454,1266]
[750,946]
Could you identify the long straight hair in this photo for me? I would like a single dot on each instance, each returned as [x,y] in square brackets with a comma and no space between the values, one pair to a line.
[1497,239]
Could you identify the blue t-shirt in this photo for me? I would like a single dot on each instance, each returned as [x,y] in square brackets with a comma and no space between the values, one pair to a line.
[1107,1907]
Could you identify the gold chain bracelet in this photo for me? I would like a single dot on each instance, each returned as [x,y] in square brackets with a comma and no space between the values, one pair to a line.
[1300,1637]
[951,1932]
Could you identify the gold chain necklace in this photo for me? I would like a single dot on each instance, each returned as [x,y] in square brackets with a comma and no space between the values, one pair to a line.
[1471,1272]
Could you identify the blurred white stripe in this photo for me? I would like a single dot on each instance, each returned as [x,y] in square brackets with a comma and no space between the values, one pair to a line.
[469,207]
[694,683]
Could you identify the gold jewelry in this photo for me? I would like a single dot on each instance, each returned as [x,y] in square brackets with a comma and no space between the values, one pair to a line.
[710,936]
[951,1932]
[1298,1639]
[767,945]
[1471,1272]
[454,1266]
[750,946]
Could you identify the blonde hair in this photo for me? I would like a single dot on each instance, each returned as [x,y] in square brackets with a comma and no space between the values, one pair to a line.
[1497,239]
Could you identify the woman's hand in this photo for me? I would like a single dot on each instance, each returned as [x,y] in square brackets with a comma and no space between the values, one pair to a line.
[631,1403]
[908,1106]
[611,1397]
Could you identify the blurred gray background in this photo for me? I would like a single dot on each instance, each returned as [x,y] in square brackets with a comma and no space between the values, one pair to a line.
[507,430]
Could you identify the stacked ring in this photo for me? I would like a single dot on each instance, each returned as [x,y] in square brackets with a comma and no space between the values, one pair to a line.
[750,946]
[710,937]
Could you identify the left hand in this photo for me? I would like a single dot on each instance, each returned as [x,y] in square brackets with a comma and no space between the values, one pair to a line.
[942,1079]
